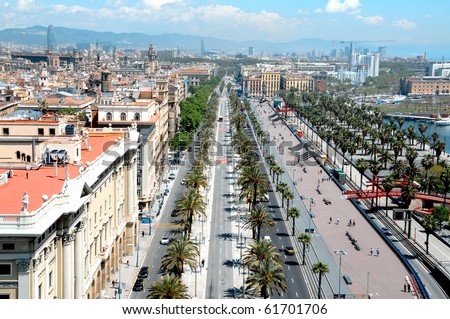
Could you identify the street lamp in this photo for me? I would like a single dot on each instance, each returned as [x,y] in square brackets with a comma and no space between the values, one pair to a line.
[312,201]
[340,253]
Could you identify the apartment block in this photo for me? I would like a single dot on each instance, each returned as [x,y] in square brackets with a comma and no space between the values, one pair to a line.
[68,218]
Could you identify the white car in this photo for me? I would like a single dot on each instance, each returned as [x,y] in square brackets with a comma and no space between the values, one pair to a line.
[164,240]
[386,231]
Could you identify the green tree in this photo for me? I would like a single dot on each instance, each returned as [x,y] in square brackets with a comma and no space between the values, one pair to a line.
[266,277]
[181,251]
[257,220]
[294,213]
[320,268]
[305,239]
[170,287]
[190,204]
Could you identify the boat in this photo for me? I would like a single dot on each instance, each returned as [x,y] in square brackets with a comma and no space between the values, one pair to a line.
[443,121]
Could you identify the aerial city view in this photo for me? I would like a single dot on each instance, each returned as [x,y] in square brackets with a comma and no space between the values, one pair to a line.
[196,149]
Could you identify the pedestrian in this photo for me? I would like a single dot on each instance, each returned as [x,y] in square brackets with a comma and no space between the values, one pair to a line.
[113,283]
[378,252]
[354,223]
[404,287]
[371,251]
[203,263]
[115,294]
[350,222]
[143,233]
[128,263]
[331,220]
[337,221]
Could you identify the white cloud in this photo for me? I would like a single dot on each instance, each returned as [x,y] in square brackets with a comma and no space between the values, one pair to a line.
[60,8]
[373,20]
[157,4]
[24,5]
[405,24]
[318,11]
[337,6]
[303,11]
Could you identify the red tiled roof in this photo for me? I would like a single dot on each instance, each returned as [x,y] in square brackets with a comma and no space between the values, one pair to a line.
[44,180]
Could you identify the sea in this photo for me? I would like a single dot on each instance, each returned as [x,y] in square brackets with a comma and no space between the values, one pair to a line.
[443,131]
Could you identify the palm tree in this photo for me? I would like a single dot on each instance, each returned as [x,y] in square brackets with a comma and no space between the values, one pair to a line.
[288,195]
[260,250]
[438,147]
[294,213]
[320,268]
[427,163]
[361,166]
[428,223]
[408,194]
[180,251]
[253,179]
[281,187]
[266,277]
[445,179]
[388,185]
[170,287]
[259,218]
[196,179]
[305,239]
[189,205]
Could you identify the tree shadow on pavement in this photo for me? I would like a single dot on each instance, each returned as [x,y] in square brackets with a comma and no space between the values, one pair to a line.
[232,263]
[226,236]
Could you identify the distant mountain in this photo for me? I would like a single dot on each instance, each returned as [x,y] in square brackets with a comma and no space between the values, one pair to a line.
[37,36]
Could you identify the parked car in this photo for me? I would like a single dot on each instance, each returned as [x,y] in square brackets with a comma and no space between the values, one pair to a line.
[164,240]
[174,213]
[183,181]
[289,251]
[138,285]
[172,176]
[143,272]
[386,231]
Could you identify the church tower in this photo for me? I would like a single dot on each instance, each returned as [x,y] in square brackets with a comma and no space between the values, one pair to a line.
[152,63]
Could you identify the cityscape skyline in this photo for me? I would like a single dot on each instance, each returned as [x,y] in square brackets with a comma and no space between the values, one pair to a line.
[417,28]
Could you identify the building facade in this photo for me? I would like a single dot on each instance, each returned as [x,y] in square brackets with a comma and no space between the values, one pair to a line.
[66,235]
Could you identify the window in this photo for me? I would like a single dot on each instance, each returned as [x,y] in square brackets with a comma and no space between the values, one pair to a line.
[109,116]
[137,116]
[40,131]
[40,291]
[123,116]
[5,131]
[52,131]
[50,279]
[5,270]
[8,246]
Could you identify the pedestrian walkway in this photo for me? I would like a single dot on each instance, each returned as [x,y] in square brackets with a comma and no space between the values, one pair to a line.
[381,276]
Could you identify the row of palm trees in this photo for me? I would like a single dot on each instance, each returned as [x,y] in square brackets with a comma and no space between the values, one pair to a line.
[361,130]
[266,272]
[267,275]
[183,250]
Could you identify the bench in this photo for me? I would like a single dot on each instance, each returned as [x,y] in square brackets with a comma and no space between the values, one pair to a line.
[347,279]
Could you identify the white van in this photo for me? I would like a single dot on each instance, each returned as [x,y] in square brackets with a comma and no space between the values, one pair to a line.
[267,238]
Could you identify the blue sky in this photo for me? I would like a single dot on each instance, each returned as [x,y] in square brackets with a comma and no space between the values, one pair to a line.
[422,23]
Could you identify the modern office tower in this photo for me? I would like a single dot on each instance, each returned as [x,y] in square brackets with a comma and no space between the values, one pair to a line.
[51,38]
[374,64]
[251,51]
